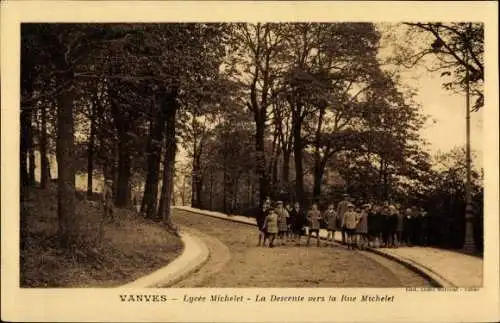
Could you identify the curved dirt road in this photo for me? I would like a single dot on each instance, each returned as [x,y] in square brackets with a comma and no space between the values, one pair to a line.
[247,265]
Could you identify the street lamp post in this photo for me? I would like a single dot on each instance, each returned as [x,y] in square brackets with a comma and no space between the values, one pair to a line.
[469,245]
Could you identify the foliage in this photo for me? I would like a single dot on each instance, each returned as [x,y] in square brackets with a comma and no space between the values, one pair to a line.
[295,110]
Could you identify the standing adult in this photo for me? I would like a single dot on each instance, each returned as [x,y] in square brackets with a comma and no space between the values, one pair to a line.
[313,219]
[298,221]
[341,210]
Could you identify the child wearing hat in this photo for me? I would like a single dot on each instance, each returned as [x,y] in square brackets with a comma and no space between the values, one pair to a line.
[282,221]
[271,227]
[362,227]
[313,218]
[350,222]
[330,217]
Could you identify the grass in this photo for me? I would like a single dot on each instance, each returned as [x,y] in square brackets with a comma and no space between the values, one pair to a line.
[124,250]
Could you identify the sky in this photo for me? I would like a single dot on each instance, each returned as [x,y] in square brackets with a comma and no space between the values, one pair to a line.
[446,126]
[448,110]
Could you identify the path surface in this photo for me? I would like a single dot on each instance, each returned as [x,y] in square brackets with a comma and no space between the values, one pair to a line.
[286,266]
[219,257]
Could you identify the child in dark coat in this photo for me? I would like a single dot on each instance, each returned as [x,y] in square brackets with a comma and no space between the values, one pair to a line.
[298,221]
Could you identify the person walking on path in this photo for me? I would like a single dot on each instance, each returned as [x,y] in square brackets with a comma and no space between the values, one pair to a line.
[350,222]
[282,221]
[313,219]
[298,221]
[261,217]
[107,201]
[362,227]
[341,209]
[271,227]
[330,218]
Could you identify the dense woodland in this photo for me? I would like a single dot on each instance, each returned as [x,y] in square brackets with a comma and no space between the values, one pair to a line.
[297,111]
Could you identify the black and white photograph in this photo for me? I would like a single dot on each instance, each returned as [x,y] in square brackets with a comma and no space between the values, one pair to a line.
[251,154]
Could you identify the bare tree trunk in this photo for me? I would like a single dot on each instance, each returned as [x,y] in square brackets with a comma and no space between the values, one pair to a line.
[66,170]
[122,197]
[318,163]
[298,147]
[274,165]
[224,185]
[319,171]
[31,150]
[234,202]
[285,174]
[211,190]
[90,151]
[261,160]
[199,192]
[169,159]
[150,198]
[25,117]
[196,178]
[44,161]
[250,189]
[124,174]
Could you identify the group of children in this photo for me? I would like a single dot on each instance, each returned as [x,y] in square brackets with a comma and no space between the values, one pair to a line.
[370,225]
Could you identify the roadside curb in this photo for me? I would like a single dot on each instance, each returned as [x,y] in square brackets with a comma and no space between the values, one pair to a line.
[194,255]
[217,215]
[434,278]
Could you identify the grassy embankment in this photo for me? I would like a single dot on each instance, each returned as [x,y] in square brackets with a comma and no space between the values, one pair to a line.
[108,255]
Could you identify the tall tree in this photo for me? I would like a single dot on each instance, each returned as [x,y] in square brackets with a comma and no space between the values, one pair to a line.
[257,52]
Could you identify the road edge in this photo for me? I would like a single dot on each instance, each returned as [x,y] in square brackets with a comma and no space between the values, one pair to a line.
[194,255]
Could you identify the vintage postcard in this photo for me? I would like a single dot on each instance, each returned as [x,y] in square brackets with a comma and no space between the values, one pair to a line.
[249,161]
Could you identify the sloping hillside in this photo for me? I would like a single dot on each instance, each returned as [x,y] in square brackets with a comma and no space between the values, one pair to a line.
[108,253]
